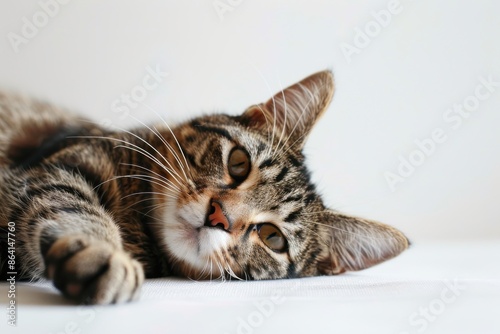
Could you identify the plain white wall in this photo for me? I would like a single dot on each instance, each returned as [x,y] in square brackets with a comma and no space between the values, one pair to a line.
[396,86]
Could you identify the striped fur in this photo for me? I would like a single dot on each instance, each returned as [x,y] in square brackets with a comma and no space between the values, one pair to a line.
[97,211]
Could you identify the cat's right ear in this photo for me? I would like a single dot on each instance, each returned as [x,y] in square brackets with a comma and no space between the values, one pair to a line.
[354,243]
[292,113]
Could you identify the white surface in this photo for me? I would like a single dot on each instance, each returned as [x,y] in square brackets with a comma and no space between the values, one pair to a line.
[395,91]
[385,299]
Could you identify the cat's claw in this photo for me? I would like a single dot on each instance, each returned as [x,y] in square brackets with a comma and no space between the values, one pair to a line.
[93,272]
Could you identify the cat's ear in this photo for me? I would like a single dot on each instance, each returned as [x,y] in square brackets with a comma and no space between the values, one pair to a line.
[355,244]
[292,113]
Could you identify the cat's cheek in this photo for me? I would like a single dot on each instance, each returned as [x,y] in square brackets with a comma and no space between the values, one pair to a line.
[182,243]
[212,241]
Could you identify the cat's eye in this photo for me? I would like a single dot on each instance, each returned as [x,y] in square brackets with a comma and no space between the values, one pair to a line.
[238,164]
[272,237]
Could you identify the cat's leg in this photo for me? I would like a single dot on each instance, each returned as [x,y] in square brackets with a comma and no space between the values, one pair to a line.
[67,236]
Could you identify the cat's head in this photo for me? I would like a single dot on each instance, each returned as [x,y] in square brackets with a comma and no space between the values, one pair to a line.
[242,203]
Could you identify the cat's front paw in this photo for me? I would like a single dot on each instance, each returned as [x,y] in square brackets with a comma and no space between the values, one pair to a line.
[93,272]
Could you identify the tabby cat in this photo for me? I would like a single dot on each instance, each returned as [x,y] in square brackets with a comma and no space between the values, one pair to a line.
[96,211]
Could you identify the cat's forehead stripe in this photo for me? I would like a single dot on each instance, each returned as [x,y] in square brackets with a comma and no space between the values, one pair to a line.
[281,174]
[206,128]
[292,216]
[266,163]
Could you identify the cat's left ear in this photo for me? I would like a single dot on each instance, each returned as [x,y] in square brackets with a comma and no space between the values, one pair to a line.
[355,244]
[293,112]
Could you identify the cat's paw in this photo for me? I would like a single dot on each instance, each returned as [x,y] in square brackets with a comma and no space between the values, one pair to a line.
[93,272]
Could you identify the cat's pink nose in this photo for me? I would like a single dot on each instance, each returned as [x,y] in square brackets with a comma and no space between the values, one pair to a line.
[216,218]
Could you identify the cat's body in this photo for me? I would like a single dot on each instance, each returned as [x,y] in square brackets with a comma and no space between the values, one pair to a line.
[219,196]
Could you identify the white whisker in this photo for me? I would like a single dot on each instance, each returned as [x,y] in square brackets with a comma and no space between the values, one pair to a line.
[173,135]
[284,125]
[299,119]
[167,145]
[163,178]
[274,109]
[155,160]
[134,148]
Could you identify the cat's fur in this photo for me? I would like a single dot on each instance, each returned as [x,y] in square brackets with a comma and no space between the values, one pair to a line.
[97,210]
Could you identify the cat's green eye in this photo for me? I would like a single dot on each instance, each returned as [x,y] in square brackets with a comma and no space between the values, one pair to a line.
[272,237]
[238,164]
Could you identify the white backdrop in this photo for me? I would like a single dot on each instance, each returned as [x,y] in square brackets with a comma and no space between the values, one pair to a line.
[417,81]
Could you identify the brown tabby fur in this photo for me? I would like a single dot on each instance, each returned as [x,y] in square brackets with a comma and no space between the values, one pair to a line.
[97,210]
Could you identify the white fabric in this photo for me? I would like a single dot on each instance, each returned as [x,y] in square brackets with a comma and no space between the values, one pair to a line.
[431,288]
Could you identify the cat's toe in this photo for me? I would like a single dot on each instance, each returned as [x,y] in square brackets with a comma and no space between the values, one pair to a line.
[93,272]
[119,283]
[61,250]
